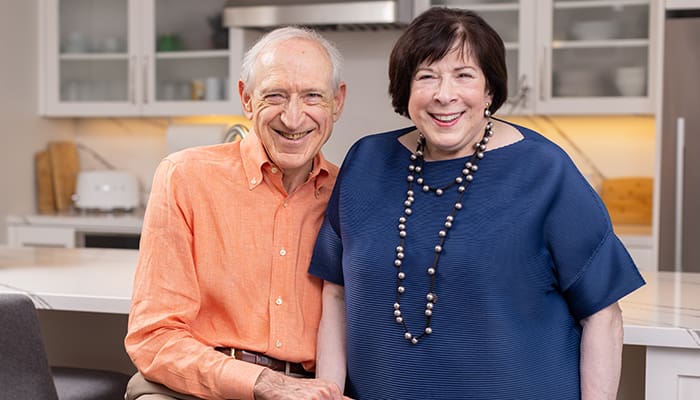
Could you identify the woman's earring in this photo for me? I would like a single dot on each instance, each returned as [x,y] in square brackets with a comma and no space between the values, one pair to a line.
[487,112]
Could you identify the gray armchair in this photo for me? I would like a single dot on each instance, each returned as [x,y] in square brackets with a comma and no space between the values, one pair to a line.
[24,368]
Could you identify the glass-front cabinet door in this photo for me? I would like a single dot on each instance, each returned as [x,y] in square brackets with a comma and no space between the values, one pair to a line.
[185,60]
[88,57]
[135,58]
[597,50]
[512,19]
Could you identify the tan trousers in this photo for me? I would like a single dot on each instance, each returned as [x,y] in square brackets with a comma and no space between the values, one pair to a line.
[141,389]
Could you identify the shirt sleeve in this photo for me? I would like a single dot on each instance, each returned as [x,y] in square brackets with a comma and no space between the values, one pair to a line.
[593,267]
[166,299]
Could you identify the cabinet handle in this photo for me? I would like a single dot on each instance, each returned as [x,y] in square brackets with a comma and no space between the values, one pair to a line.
[680,163]
[132,77]
[543,73]
[145,79]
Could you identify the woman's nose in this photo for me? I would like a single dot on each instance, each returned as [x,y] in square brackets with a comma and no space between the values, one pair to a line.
[444,92]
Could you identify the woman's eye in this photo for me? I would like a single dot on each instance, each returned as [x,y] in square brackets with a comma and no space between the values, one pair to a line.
[423,77]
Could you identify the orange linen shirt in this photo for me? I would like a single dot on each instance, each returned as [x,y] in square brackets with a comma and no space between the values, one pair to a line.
[223,262]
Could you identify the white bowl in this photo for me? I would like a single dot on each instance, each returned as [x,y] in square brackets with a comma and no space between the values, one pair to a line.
[594,30]
[631,81]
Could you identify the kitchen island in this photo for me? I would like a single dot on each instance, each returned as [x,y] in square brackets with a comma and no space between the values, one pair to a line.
[77,279]
[82,296]
[662,318]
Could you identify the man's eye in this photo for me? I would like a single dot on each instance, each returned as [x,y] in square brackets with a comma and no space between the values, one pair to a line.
[314,97]
[274,98]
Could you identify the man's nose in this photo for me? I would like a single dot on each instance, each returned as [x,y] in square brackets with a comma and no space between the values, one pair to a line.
[293,114]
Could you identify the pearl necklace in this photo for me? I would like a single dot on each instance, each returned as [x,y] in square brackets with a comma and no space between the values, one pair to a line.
[463,180]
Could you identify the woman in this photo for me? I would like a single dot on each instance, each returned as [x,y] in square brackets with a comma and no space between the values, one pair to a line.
[466,257]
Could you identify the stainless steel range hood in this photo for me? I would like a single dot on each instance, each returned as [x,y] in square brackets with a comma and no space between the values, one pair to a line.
[330,14]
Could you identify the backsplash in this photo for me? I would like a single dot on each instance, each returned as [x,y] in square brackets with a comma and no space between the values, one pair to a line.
[602,147]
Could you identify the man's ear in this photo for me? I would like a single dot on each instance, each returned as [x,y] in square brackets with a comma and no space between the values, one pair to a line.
[339,101]
[246,100]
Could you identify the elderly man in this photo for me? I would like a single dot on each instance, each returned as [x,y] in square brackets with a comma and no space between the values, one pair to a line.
[223,307]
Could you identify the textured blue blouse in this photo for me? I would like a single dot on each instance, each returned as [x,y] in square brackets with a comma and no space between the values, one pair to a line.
[530,254]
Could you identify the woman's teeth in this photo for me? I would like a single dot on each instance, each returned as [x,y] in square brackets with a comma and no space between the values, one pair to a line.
[446,118]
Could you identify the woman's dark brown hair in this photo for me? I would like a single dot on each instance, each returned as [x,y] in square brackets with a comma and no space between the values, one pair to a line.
[431,36]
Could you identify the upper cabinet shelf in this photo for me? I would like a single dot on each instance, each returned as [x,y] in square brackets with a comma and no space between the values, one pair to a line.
[135,58]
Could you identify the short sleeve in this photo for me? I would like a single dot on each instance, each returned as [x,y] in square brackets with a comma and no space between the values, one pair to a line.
[593,267]
[326,262]
[609,276]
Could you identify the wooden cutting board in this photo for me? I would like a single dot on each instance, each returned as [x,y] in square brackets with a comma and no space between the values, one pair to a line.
[629,199]
[63,158]
[44,183]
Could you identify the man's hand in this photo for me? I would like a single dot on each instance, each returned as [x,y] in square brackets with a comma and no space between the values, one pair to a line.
[273,385]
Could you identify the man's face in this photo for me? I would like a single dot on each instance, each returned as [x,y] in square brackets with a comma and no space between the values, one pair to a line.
[293,105]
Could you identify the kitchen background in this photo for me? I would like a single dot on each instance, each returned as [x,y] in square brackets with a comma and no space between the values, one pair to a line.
[602,146]
[608,136]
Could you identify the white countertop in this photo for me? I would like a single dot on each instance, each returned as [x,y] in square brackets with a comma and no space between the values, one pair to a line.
[665,312]
[93,280]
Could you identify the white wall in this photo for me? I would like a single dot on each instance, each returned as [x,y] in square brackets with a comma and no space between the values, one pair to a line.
[22,132]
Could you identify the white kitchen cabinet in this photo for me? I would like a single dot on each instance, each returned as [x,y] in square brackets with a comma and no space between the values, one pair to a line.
[672,373]
[576,56]
[41,236]
[135,58]
[105,230]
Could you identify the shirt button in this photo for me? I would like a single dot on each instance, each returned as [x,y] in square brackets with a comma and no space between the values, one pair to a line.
[285,204]
[253,181]
[278,344]
[274,170]
[283,252]
[279,300]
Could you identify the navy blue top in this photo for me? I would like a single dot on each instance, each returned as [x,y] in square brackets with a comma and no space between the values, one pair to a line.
[531,253]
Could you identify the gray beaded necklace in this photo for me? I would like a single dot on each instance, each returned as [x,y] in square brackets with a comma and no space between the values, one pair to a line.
[416,175]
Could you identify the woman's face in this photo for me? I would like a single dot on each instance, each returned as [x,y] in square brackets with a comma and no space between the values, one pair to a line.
[447,103]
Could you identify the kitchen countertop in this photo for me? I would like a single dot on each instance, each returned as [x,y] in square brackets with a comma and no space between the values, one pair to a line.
[80,279]
[665,312]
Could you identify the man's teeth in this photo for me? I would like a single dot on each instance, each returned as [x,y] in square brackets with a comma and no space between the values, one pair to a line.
[294,136]
[446,118]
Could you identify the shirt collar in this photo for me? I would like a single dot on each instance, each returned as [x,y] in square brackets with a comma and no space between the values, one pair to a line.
[255,159]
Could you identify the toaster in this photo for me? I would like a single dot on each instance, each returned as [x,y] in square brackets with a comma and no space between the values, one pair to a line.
[107,190]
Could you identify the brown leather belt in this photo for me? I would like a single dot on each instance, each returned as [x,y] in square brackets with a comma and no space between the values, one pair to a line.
[265,361]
